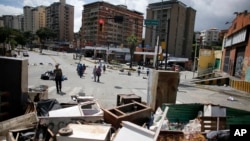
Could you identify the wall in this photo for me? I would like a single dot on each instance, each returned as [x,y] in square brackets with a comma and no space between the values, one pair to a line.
[246,64]
[206,60]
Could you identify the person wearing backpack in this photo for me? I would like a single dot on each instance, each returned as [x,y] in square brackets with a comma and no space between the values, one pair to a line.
[98,73]
[58,78]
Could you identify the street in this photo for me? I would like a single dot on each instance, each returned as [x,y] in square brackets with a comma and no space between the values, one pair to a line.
[114,82]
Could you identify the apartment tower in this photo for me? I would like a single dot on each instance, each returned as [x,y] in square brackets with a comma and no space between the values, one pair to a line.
[176,27]
[100,28]
[60,18]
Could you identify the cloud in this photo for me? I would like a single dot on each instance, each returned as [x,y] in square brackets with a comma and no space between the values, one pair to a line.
[10,10]
[209,13]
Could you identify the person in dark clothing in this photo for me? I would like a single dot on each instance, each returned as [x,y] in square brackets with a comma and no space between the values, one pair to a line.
[58,78]
[98,73]
[139,71]
[104,68]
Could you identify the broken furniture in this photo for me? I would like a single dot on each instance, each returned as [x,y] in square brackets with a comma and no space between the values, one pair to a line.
[134,112]
[90,108]
[38,93]
[127,98]
[24,121]
[4,105]
[87,132]
[133,132]
[163,86]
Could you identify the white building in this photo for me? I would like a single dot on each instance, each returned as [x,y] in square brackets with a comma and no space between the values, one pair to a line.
[210,37]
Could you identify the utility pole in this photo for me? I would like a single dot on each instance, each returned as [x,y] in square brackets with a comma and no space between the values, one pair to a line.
[195,53]
[159,38]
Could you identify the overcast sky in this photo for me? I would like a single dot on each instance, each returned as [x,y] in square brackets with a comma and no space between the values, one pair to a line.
[209,13]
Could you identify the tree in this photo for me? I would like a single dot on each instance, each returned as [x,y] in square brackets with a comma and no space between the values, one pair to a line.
[4,35]
[29,37]
[12,37]
[132,42]
[44,34]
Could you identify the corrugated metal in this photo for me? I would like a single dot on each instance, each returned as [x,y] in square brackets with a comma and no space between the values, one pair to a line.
[182,112]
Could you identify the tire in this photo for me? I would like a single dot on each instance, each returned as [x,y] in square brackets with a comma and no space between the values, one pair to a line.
[65,131]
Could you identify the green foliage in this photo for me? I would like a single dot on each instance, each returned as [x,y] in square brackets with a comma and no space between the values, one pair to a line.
[45,33]
[132,42]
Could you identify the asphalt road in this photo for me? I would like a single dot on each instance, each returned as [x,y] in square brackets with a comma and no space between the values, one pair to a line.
[114,82]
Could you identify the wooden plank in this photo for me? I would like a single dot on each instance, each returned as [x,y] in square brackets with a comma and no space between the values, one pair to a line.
[26,120]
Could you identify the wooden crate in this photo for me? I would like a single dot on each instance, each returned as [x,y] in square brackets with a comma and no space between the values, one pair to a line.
[127,98]
[134,112]
[213,123]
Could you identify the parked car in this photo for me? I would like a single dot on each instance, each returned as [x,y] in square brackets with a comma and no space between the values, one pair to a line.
[49,75]
[25,53]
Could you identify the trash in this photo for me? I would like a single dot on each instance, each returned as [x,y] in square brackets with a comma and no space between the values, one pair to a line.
[230,98]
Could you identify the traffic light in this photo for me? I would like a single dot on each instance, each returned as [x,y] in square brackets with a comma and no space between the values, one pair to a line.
[118,19]
[101,23]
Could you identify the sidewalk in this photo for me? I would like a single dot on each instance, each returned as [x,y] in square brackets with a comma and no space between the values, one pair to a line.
[188,76]
[187,79]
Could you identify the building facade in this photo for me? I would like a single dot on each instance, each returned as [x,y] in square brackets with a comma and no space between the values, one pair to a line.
[38,18]
[210,37]
[175,28]
[99,27]
[236,48]
[12,21]
[27,12]
[60,19]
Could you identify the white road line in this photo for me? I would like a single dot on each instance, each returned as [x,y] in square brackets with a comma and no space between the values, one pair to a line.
[75,91]
[52,88]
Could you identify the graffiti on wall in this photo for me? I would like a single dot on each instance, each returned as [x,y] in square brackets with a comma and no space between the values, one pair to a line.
[239,66]
[246,69]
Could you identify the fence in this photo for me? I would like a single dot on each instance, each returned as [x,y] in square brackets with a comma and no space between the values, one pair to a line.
[240,85]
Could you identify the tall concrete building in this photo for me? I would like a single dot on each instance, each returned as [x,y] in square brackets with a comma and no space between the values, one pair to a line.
[176,27]
[38,18]
[99,28]
[34,18]
[27,11]
[60,18]
[210,37]
[12,21]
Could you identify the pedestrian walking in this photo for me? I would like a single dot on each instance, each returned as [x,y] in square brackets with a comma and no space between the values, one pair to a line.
[139,71]
[94,73]
[79,70]
[58,78]
[98,73]
[147,71]
[83,68]
[104,68]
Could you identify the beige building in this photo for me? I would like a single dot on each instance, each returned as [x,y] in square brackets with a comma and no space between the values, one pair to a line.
[38,18]
[176,27]
[60,18]
[99,27]
[34,18]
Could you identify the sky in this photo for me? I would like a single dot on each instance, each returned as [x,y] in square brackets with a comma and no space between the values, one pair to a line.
[209,13]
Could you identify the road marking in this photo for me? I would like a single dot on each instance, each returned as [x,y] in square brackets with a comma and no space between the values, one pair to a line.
[75,91]
[52,88]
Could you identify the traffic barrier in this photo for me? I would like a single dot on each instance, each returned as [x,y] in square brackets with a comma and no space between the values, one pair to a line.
[214,81]
[240,85]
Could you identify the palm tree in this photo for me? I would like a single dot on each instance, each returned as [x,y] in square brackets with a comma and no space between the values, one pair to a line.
[132,42]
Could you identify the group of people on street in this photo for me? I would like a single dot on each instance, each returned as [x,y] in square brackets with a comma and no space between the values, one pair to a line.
[97,71]
[81,69]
